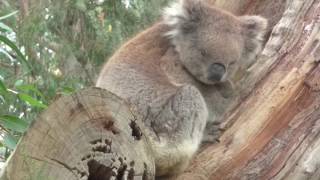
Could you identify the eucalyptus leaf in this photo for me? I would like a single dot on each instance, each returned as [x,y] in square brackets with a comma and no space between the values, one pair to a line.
[81,5]
[32,88]
[2,100]
[5,28]
[14,123]
[3,88]
[30,100]
[3,51]
[8,15]
[68,90]
[21,58]
[18,82]
[10,141]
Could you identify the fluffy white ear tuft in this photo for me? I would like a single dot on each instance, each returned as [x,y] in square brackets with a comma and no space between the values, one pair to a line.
[173,16]
[174,13]
[180,15]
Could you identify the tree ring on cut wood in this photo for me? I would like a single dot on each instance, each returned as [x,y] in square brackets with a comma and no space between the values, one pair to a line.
[90,135]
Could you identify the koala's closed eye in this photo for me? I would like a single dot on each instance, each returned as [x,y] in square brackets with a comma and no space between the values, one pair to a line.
[232,63]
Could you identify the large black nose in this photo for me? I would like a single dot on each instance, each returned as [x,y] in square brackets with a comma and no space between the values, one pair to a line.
[216,71]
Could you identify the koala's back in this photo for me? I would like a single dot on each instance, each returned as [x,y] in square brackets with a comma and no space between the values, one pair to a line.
[135,70]
[141,50]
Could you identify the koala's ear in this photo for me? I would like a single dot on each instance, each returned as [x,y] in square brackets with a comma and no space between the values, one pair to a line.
[182,16]
[254,26]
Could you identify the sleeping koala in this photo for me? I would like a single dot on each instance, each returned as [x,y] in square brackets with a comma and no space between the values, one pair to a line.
[172,74]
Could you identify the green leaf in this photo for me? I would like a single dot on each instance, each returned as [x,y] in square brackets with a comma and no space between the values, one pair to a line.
[3,51]
[19,82]
[3,88]
[31,88]
[2,100]
[14,123]
[5,28]
[81,5]
[10,141]
[21,57]
[30,100]
[67,90]
[8,15]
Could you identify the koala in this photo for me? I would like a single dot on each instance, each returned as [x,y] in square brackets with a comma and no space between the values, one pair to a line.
[175,73]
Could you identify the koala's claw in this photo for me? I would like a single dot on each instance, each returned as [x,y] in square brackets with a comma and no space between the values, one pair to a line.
[209,139]
[212,133]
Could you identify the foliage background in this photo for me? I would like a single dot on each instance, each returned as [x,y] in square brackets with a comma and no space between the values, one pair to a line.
[49,48]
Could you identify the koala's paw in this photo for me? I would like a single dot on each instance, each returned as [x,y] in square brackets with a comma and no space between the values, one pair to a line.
[212,133]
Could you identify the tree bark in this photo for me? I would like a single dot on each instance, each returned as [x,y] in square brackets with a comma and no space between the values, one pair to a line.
[272,128]
[273,133]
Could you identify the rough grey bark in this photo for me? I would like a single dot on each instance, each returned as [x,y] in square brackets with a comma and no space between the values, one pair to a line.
[273,133]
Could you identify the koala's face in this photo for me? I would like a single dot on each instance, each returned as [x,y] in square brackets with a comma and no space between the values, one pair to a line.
[211,53]
[213,44]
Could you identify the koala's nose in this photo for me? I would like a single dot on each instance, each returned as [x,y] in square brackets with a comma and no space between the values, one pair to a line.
[216,71]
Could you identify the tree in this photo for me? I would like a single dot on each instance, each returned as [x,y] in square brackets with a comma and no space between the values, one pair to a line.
[272,131]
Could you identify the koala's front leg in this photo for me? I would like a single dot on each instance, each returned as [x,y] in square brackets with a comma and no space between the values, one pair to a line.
[179,126]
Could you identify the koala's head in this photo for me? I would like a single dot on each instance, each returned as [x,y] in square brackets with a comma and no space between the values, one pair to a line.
[213,44]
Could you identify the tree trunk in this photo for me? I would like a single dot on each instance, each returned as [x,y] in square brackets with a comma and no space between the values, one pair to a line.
[274,132]
[272,129]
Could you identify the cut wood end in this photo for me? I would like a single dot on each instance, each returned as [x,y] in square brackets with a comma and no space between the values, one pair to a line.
[89,135]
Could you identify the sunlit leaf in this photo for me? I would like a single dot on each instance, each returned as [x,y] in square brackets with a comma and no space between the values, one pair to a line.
[14,123]
[67,90]
[10,141]
[2,100]
[3,88]
[8,15]
[32,88]
[3,51]
[19,82]
[81,5]
[30,100]
[5,28]
[110,28]
[21,57]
